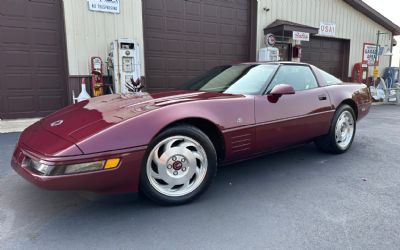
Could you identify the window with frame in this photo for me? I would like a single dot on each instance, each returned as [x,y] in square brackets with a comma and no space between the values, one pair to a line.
[245,79]
[330,79]
[300,77]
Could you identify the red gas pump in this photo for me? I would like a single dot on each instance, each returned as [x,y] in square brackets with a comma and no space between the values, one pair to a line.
[359,73]
[97,76]
[297,49]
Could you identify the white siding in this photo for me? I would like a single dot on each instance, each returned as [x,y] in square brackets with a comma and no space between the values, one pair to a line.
[350,23]
[89,33]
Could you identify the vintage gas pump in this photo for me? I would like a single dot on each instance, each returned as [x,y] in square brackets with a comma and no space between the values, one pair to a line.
[124,64]
[297,50]
[96,65]
[269,53]
[359,73]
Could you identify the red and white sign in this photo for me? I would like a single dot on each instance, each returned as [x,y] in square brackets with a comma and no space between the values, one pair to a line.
[369,53]
[301,36]
[327,29]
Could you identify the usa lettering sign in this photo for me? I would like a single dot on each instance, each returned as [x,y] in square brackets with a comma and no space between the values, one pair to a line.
[110,6]
[327,29]
[301,36]
[369,53]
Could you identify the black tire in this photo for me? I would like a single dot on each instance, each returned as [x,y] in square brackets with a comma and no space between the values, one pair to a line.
[200,137]
[328,143]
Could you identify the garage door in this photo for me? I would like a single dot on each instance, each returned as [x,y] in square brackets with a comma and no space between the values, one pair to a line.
[185,38]
[328,54]
[32,61]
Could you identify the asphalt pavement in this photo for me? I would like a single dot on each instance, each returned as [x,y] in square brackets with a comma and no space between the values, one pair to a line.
[296,199]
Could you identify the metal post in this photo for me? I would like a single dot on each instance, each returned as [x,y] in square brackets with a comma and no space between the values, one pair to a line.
[391,51]
[376,54]
[398,88]
[377,47]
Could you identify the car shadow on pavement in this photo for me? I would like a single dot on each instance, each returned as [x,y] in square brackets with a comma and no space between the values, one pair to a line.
[263,183]
[271,174]
[265,169]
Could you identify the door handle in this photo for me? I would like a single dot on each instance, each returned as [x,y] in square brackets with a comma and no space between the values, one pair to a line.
[322,97]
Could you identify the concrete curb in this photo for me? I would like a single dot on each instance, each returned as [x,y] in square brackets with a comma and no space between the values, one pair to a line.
[383,103]
[17,125]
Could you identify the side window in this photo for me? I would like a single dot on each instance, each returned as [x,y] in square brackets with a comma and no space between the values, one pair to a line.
[329,79]
[300,77]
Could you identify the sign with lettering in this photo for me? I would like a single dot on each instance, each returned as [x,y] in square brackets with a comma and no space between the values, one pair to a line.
[111,6]
[301,36]
[369,53]
[327,29]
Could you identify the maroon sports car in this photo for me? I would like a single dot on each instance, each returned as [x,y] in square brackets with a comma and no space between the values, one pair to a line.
[168,144]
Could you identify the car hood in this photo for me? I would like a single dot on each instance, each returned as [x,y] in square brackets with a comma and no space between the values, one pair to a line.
[81,120]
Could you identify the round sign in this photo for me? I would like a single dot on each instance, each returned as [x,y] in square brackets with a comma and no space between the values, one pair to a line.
[269,40]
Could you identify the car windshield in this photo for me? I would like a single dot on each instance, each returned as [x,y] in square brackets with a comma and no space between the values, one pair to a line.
[234,79]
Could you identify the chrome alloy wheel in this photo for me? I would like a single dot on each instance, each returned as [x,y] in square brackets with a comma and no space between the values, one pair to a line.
[344,130]
[176,166]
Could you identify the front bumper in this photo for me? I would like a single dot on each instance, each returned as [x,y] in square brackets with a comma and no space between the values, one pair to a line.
[124,178]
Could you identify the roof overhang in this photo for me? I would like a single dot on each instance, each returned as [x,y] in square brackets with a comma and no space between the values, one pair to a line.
[286,27]
[374,15]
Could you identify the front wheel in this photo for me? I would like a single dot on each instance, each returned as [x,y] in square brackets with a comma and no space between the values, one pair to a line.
[178,166]
[341,133]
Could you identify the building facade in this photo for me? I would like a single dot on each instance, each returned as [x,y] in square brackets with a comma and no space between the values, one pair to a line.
[46,45]
[355,24]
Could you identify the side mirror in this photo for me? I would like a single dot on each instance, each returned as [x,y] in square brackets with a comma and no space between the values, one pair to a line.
[282,89]
[278,91]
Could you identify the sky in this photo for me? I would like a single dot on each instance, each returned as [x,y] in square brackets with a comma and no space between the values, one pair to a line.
[391,10]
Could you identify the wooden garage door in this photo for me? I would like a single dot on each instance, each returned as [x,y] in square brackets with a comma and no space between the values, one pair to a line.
[32,61]
[328,54]
[185,38]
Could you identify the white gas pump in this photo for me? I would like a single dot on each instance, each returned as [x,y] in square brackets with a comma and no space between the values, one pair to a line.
[124,65]
[269,53]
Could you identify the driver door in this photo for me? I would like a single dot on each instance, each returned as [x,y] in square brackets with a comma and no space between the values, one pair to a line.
[293,118]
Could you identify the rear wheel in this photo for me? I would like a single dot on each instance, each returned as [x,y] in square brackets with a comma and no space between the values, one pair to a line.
[179,165]
[341,133]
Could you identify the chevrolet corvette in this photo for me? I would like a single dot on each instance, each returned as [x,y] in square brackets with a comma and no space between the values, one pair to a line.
[168,144]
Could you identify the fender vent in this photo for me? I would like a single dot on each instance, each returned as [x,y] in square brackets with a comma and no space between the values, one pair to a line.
[241,143]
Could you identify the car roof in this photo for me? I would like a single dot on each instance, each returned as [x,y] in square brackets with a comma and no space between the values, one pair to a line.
[277,63]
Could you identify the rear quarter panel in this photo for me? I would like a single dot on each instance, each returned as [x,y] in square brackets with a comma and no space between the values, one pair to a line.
[356,92]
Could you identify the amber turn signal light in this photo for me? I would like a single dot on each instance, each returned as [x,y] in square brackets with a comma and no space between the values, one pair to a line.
[112,163]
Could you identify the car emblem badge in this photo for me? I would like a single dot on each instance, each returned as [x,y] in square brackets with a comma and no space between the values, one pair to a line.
[56,123]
